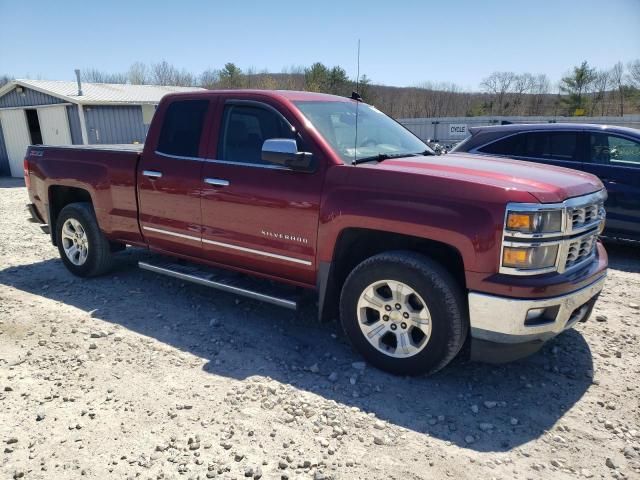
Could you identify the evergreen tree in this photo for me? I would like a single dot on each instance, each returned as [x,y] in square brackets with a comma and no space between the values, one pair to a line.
[576,84]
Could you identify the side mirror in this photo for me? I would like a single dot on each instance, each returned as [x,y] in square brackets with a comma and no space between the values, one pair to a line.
[284,151]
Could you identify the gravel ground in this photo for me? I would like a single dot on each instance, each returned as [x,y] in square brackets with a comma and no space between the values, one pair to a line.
[134,375]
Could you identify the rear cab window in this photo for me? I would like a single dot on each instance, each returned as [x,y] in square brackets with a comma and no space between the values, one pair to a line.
[182,128]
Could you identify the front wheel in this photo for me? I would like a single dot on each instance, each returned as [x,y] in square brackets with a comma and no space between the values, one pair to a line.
[404,313]
[83,248]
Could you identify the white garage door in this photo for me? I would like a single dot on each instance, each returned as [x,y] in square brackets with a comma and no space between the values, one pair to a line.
[54,126]
[16,138]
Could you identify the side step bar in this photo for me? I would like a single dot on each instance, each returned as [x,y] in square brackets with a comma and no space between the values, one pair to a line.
[202,277]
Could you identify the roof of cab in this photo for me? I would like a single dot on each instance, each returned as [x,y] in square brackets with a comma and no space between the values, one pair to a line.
[291,95]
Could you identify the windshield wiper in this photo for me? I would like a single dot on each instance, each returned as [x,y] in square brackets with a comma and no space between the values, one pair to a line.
[380,157]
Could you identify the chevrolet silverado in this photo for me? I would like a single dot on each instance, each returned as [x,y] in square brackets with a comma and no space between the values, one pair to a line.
[416,254]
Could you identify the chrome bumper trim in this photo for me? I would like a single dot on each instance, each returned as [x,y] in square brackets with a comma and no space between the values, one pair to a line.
[502,319]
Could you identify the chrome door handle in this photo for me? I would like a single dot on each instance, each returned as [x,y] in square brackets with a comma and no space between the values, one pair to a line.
[151,173]
[218,182]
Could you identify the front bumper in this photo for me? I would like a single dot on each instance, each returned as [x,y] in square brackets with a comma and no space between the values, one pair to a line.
[505,329]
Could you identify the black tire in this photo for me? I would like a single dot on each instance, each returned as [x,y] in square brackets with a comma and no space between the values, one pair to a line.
[99,259]
[442,296]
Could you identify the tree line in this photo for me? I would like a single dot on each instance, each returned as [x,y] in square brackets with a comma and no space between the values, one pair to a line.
[584,90]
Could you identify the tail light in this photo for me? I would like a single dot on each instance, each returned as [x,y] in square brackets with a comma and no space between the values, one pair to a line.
[27,180]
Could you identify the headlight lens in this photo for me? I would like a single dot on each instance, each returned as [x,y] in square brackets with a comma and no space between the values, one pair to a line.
[530,258]
[543,221]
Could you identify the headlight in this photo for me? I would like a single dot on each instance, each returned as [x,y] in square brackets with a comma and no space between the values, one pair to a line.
[542,221]
[530,257]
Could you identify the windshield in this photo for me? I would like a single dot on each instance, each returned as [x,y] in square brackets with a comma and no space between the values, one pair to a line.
[378,135]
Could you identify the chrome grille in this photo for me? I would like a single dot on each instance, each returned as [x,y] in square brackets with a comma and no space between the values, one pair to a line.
[579,249]
[585,216]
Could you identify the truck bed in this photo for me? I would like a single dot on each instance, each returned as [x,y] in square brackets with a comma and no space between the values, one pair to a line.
[106,172]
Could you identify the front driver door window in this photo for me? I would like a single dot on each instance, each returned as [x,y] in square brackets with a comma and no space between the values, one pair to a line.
[245,128]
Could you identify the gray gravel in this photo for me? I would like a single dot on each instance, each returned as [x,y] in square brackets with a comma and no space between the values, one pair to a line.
[135,375]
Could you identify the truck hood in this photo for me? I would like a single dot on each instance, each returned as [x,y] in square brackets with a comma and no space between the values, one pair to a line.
[547,183]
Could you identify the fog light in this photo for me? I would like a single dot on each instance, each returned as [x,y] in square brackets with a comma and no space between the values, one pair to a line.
[534,314]
[541,316]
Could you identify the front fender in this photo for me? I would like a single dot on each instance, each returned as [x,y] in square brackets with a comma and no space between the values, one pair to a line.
[470,229]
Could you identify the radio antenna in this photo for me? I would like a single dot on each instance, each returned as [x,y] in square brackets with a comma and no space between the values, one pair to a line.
[356,96]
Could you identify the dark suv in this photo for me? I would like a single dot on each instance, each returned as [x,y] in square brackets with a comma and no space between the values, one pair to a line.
[611,153]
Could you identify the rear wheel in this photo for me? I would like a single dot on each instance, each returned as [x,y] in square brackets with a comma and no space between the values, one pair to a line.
[83,248]
[404,313]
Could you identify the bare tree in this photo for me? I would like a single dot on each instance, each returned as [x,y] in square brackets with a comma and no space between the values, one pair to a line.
[539,91]
[599,87]
[250,77]
[210,78]
[163,73]
[522,85]
[292,78]
[184,78]
[138,74]
[93,75]
[617,80]
[430,103]
[634,73]
[265,81]
[498,85]
[4,79]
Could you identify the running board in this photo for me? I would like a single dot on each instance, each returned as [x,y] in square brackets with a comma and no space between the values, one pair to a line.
[227,282]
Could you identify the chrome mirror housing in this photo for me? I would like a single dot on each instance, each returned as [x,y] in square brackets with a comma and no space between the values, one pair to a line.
[284,152]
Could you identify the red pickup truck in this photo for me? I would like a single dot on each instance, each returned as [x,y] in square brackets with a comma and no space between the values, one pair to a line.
[416,254]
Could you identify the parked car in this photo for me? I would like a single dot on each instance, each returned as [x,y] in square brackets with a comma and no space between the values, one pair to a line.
[415,253]
[611,153]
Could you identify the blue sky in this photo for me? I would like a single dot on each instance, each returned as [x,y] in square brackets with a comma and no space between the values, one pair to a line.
[403,42]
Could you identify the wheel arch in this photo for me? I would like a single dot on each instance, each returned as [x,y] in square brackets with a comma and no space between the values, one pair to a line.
[354,245]
[59,196]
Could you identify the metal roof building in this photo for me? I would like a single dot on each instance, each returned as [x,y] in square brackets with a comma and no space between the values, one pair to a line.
[68,113]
